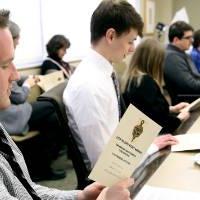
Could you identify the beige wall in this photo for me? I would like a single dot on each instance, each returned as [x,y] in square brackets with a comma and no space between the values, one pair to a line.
[164,10]
[28,71]
[37,70]
[192,7]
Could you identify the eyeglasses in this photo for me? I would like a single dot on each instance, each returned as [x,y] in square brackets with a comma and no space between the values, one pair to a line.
[190,37]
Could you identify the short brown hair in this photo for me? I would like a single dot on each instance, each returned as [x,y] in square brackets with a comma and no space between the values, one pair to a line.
[55,43]
[178,29]
[117,14]
[4,18]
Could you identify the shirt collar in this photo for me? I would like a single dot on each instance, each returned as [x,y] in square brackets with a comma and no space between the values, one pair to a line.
[101,62]
[174,47]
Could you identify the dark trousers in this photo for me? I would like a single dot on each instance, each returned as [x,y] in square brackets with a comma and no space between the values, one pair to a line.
[42,149]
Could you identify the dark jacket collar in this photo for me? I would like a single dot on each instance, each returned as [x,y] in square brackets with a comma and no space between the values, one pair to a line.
[172,47]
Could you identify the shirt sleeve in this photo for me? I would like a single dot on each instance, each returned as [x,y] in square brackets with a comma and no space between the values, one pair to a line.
[4,191]
[54,194]
[15,118]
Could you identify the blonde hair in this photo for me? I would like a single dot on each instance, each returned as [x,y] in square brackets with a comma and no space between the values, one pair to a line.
[148,59]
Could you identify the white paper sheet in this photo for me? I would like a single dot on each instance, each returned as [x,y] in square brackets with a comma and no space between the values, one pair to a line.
[187,142]
[156,193]
[180,15]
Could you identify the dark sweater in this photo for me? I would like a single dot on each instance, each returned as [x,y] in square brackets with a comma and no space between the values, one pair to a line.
[48,65]
[147,97]
[181,76]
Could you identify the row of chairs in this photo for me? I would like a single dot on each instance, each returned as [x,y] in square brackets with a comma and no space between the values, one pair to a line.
[54,96]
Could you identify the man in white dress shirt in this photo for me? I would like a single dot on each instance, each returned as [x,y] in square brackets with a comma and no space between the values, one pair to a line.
[90,96]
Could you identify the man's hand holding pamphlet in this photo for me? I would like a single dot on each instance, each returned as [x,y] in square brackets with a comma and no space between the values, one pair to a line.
[126,148]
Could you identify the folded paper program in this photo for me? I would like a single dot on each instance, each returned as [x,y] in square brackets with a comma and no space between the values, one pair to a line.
[126,148]
[51,80]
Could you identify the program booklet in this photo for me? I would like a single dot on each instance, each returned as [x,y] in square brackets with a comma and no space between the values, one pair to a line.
[194,105]
[51,80]
[126,148]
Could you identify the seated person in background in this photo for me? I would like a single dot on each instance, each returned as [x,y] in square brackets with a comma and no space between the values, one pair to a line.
[182,80]
[143,86]
[19,117]
[21,88]
[56,49]
[195,53]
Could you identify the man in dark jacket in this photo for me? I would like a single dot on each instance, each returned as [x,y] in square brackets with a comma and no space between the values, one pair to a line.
[181,76]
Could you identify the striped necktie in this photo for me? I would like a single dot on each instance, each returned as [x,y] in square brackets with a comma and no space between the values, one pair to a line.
[117,90]
[7,152]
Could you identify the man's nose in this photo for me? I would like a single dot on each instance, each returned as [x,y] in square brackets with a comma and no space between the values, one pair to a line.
[14,73]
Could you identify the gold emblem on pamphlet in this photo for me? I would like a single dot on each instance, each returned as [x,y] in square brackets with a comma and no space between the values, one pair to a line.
[137,131]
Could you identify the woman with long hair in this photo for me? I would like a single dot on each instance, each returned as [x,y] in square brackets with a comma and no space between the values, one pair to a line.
[143,83]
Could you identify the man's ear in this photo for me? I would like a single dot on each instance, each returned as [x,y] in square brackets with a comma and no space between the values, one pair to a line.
[176,39]
[110,35]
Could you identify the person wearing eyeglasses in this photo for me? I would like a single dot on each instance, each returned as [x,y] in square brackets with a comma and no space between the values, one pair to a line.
[181,77]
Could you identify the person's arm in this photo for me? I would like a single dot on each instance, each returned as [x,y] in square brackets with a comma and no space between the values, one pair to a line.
[3,188]
[93,191]
[15,118]
[177,71]
[19,94]
[119,191]
[52,193]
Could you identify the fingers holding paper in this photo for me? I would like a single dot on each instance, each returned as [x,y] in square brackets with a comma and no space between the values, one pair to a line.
[91,192]
[118,191]
[184,115]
